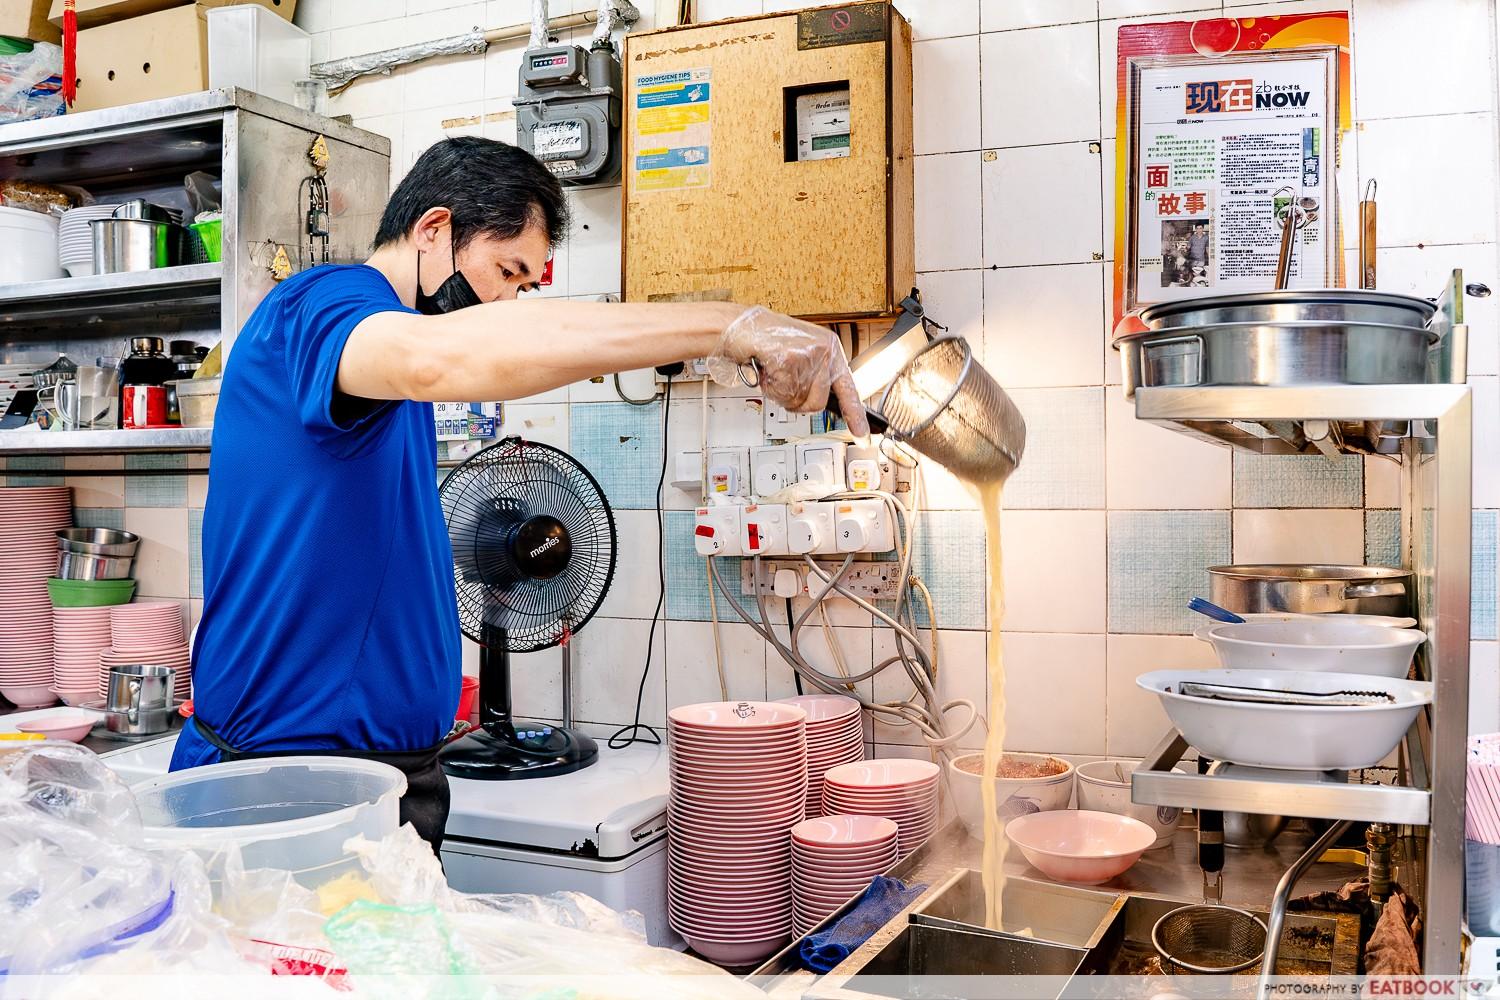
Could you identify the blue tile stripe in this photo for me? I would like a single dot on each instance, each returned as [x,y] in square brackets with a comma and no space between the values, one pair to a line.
[99,517]
[1064,463]
[1157,561]
[195,553]
[621,445]
[34,470]
[1297,481]
[156,491]
[1383,548]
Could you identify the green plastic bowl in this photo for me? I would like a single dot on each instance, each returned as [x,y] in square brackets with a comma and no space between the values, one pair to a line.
[212,235]
[89,593]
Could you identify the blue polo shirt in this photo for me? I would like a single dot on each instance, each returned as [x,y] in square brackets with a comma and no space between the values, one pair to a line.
[329,618]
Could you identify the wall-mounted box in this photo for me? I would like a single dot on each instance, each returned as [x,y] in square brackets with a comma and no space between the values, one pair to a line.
[769,160]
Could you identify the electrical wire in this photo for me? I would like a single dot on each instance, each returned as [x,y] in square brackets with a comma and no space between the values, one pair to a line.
[620,391]
[796,677]
[626,735]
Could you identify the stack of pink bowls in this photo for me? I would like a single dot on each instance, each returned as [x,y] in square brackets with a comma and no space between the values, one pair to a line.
[738,786]
[902,790]
[835,735]
[30,517]
[147,632]
[833,860]
[79,636]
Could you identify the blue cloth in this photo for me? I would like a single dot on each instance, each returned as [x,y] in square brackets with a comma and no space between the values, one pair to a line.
[329,618]
[885,898]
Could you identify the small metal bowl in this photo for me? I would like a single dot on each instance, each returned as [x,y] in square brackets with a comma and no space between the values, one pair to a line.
[82,566]
[98,541]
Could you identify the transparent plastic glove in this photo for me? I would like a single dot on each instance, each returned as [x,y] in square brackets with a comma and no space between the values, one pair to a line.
[801,364]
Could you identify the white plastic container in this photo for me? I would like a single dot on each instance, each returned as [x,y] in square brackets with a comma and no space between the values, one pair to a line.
[197,399]
[288,813]
[1317,645]
[28,246]
[253,48]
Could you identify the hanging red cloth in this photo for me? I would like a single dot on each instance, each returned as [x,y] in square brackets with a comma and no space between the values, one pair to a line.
[70,52]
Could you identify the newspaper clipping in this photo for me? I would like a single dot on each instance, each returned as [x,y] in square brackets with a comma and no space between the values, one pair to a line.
[1225,148]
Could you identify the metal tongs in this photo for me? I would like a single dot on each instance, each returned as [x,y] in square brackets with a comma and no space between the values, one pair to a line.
[1277,696]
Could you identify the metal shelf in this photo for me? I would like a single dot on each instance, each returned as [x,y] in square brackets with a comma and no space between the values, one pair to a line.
[111,442]
[192,286]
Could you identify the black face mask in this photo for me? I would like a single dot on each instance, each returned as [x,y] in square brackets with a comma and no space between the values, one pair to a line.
[454,293]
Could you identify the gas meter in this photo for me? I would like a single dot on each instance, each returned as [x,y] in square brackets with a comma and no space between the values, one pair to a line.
[568,111]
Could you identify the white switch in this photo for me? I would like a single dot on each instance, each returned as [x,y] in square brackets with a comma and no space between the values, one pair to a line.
[771,469]
[821,464]
[782,424]
[732,466]
[810,529]
[716,530]
[763,529]
[863,526]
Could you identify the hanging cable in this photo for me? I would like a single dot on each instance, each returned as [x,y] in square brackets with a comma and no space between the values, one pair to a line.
[626,735]
[796,677]
[620,391]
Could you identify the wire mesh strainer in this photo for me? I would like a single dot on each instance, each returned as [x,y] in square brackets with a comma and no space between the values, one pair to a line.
[946,406]
[1208,940]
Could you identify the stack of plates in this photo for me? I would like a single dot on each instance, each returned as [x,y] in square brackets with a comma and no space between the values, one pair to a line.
[13,377]
[835,735]
[79,636]
[833,860]
[902,790]
[147,632]
[30,517]
[75,238]
[739,784]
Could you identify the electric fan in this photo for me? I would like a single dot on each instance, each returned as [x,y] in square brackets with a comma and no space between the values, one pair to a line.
[533,553]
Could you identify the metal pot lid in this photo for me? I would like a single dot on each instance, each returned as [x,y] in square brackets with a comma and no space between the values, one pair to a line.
[1291,297]
[1307,572]
[1289,326]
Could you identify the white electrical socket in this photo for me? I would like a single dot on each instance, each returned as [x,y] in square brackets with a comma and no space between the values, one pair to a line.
[716,530]
[822,463]
[772,469]
[687,471]
[863,526]
[695,370]
[728,472]
[810,528]
[873,581]
[871,453]
[782,424]
[763,529]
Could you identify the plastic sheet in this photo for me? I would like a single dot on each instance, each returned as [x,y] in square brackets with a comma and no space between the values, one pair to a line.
[31,84]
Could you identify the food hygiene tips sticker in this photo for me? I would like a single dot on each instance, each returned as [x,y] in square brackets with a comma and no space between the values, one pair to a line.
[673,130]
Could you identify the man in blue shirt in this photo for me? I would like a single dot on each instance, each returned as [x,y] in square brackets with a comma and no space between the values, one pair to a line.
[329,620]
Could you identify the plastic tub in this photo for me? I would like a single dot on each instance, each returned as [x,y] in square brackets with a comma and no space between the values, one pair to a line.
[292,814]
[89,593]
[197,398]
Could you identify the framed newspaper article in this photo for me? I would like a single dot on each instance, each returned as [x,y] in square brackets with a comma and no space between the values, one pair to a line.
[1220,150]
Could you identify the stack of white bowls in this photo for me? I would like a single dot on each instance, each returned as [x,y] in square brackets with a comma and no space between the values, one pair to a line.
[147,632]
[79,636]
[738,786]
[902,790]
[833,860]
[835,735]
[75,238]
[30,517]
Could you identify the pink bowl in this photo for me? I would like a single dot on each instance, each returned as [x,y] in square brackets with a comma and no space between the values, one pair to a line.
[737,952]
[890,773]
[29,695]
[823,707]
[62,726]
[1077,845]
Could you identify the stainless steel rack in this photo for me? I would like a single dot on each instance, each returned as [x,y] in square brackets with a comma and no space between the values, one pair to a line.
[259,149]
[1431,427]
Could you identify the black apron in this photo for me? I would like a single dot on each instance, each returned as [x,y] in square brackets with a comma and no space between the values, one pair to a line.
[425,804]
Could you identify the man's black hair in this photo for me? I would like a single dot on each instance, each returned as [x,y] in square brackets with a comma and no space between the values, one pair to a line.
[492,189]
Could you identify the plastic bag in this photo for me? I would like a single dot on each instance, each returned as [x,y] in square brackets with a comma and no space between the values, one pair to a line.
[31,84]
[203,195]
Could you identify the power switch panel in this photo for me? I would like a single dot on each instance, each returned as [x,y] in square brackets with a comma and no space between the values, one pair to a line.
[810,529]
[716,530]
[728,472]
[763,529]
[885,468]
[864,474]
[782,424]
[821,464]
[863,526]
[772,469]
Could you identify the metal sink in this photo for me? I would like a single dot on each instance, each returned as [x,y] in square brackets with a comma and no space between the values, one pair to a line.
[1043,911]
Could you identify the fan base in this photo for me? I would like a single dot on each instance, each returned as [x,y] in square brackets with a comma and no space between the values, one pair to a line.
[507,751]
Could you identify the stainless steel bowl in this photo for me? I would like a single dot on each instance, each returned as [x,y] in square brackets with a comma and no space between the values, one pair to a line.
[1252,830]
[84,566]
[98,541]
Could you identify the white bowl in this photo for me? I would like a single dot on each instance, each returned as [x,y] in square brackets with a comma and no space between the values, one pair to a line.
[1313,645]
[1384,621]
[1013,797]
[1080,846]
[1290,737]
[1100,791]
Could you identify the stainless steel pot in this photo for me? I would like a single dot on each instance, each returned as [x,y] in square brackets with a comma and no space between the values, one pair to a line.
[1252,830]
[146,722]
[85,566]
[1317,305]
[98,541]
[130,245]
[1311,589]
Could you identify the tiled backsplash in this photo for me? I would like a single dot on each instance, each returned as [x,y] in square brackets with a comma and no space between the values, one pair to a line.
[1110,521]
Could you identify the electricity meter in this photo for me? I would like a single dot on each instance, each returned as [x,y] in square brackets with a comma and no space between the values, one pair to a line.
[568,111]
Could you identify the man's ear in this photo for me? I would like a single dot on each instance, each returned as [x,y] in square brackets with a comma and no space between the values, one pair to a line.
[428,233]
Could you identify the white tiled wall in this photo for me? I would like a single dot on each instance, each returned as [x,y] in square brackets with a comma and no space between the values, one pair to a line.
[1015,126]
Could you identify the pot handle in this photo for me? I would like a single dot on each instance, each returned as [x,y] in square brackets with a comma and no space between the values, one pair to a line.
[1155,345]
[133,713]
[1357,590]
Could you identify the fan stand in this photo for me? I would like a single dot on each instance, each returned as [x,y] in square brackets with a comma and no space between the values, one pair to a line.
[503,749]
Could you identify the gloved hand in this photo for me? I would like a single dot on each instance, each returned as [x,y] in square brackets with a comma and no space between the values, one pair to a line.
[800,364]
